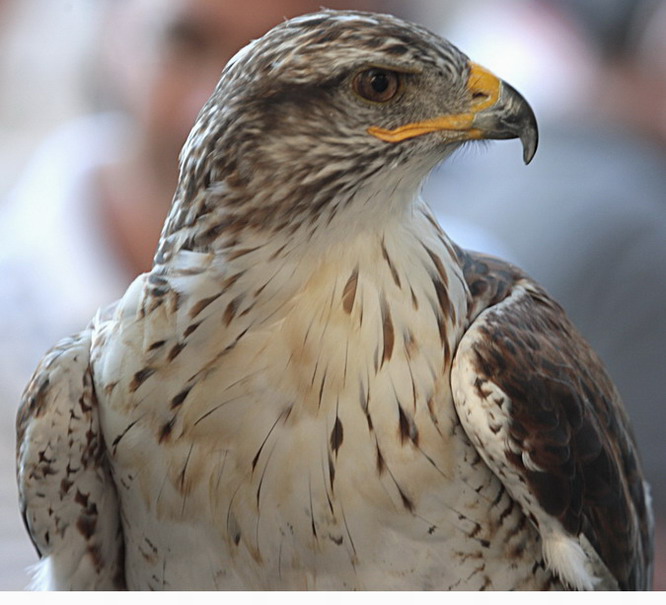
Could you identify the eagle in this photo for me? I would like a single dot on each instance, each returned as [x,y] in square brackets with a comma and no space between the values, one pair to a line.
[314,387]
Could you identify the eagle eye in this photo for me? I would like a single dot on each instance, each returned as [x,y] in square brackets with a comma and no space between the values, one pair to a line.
[377,85]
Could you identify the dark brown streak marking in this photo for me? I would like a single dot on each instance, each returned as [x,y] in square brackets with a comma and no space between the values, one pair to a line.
[166,429]
[507,511]
[65,486]
[432,462]
[344,369]
[156,345]
[230,346]
[406,501]
[115,442]
[246,310]
[479,569]
[439,266]
[321,387]
[140,377]
[176,350]
[307,334]
[388,331]
[263,473]
[260,289]
[182,474]
[447,244]
[314,372]
[414,394]
[381,464]
[278,252]
[87,521]
[199,306]
[415,301]
[180,397]
[447,356]
[313,526]
[349,292]
[498,497]
[407,427]
[360,315]
[433,222]
[191,329]
[231,280]
[232,308]
[263,443]
[331,479]
[443,298]
[381,467]
[337,435]
[387,258]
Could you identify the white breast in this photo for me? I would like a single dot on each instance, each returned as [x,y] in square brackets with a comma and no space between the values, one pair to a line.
[319,449]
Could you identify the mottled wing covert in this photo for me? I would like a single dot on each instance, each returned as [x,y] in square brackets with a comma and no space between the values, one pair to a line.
[538,405]
[67,495]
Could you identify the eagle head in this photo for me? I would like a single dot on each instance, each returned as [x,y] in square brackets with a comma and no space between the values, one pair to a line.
[330,109]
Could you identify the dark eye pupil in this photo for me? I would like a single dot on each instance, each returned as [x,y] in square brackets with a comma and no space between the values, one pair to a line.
[379,82]
[377,85]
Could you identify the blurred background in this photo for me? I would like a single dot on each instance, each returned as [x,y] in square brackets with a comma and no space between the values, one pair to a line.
[97,97]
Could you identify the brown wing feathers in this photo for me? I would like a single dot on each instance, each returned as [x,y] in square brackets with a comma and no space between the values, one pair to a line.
[567,415]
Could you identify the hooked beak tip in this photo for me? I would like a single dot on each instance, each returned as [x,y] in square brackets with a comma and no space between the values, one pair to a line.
[530,141]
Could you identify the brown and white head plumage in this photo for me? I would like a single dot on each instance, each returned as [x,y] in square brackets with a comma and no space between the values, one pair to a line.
[283,141]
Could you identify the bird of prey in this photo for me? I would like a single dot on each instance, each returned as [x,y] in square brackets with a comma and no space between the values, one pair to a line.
[314,387]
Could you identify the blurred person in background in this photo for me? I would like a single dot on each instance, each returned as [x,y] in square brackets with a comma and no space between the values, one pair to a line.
[84,217]
[588,217]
